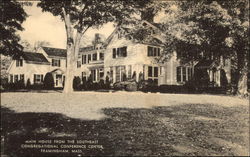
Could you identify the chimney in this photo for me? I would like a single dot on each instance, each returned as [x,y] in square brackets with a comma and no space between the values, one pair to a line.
[148,15]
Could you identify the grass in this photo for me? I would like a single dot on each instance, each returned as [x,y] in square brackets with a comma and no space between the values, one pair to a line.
[166,127]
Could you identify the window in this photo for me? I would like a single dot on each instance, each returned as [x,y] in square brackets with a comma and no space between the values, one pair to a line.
[84,76]
[150,71]
[11,78]
[111,74]
[153,74]
[19,63]
[178,74]
[22,77]
[15,78]
[89,58]
[93,74]
[84,59]
[101,73]
[120,52]
[101,56]
[153,51]
[183,74]
[129,71]
[78,64]
[56,62]
[38,78]
[94,56]
[120,73]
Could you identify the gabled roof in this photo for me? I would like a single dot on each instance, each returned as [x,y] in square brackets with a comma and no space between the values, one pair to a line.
[55,52]
[152,39]
[34,57]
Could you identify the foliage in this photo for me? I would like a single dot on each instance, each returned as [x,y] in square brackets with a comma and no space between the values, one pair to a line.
[76,83]
[48,81]
[80,15]
[12,16]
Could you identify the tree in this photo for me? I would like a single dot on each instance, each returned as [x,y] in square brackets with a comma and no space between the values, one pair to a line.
[29,47]
[212,29]
[48,81]
[12,16]
[79,16]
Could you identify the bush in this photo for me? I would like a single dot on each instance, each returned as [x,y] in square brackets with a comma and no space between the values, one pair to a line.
[76,83]
[131,86]
[102,84]
[28,85]
[48,81]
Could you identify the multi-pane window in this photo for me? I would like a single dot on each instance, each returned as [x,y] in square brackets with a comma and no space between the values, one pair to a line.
[56,62]
[120,73]
[153,51]
[84,59]
[19,63]
[153,74]
[38,78]
[94,57]
[120,52]
[183,74]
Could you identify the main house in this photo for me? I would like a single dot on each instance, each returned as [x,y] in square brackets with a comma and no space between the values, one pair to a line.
[119,57]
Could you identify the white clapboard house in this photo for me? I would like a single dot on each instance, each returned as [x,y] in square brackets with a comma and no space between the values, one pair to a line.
[115,57]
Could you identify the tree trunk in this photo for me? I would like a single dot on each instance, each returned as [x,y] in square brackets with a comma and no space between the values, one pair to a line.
[68,84]
[242,84]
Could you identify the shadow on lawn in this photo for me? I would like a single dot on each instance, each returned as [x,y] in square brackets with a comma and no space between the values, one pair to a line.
[176,130]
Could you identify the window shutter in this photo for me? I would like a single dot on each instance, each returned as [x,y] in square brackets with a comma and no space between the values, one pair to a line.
[59,62]
[42,77]
[158,54]
[114,53]
[125,51]
[148,51]
[34,81]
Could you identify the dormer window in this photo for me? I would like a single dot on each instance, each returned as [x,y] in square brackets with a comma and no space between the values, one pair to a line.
[56,63]
[19,63]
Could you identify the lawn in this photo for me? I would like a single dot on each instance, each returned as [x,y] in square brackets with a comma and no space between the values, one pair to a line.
[127,124]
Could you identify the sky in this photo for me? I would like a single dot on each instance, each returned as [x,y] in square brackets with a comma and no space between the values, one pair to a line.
[43,26]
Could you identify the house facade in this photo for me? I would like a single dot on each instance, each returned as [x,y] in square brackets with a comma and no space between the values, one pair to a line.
[119,58]
[33,66]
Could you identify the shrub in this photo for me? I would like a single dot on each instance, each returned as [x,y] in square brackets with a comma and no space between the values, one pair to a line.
[48,81]
[28,84]
[76,83]
[131,86]
[107,82]
[102,84]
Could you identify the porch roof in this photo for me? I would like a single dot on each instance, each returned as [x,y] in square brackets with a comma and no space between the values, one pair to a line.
[205,64]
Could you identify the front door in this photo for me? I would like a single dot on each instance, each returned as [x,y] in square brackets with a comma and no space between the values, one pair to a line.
[58,82]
